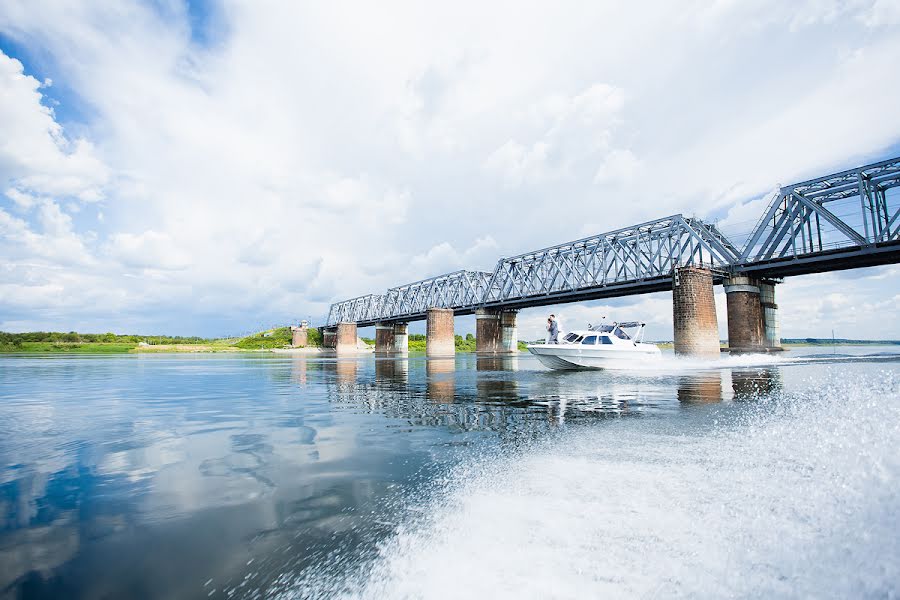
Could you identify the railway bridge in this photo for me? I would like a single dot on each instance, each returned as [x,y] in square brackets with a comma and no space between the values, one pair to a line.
[839,221]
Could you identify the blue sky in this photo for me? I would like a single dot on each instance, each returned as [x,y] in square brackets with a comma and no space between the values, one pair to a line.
[211,167]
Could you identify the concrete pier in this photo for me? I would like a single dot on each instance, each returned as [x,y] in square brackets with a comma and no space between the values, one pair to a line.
[300,335]
[495,331]
[745,318]
[771,324]
[439,339]
[345,338]
[694,312]
[329,337]
[391,338]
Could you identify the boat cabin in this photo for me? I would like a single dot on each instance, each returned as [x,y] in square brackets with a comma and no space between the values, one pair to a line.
[606,334]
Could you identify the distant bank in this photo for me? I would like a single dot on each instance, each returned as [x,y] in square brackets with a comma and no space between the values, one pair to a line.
[111,343]
[836,342]
[271,340]
[263,341]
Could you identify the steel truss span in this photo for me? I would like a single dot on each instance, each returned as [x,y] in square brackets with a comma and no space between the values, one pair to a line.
[840,221]
[845,220]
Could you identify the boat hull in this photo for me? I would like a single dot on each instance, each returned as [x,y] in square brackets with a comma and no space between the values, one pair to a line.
[574,356]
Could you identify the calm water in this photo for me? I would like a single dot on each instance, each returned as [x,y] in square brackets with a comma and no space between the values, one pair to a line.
[195,476]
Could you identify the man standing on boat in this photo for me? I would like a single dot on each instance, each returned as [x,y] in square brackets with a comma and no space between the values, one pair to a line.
[553,328]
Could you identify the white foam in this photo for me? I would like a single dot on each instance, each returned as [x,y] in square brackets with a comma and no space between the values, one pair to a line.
[799,497]
[671,364]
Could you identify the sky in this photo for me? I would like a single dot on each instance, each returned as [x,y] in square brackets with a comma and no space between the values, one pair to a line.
[215,167]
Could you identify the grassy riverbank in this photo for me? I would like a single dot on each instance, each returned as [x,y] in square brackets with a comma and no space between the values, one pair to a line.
[111,343]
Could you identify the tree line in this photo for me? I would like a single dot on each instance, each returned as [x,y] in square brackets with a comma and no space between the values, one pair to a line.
[73,337]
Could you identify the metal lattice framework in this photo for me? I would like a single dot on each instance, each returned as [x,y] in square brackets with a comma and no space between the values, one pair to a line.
[839,221]
[847,211]
[633,254]
[456,290]
[641,256]
[356,310]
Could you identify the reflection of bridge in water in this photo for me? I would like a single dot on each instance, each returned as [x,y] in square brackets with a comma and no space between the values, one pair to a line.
[839,221]
[497,396]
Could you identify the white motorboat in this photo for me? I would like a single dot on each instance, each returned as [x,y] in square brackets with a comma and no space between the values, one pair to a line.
[598,347]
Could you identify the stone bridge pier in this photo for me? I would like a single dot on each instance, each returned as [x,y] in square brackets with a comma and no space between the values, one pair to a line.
[752,315]
[439,340]
[495,331]
[341,338]
[694,312]
[392,338]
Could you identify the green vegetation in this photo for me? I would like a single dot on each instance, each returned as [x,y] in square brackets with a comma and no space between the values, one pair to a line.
[266,340]
[111,343]
[106,343]
[93,343]
[73,337]
[416,342]
[88,347]
[463,344]
[313,337]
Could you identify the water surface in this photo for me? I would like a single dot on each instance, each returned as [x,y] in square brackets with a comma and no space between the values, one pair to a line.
[194,476]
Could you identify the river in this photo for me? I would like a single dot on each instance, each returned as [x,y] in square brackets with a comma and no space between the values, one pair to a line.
[256,475]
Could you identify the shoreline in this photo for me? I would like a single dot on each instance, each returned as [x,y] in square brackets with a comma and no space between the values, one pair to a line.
[118,348]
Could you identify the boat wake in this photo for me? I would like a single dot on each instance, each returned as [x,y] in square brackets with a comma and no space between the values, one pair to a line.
[671,364]
[792,496]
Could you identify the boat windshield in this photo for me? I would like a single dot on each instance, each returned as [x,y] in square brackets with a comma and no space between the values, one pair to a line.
[591,339]
[621,334]
[570,337]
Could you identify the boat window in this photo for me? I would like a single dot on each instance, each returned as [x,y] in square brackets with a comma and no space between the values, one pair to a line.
[570,337]
[604,339]
[591,339]
[621,334]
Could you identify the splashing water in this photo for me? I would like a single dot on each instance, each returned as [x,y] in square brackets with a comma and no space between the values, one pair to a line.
[794,495]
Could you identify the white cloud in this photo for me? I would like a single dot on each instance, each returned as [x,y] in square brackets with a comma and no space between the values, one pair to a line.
[149,250]
[35,155]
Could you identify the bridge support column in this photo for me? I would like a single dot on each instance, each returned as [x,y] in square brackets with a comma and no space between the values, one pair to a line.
[300,335]
[439,340]
[495,331]
[391,338]
[345,338]
[329,337]
[770,321]
[745,316]
[694,312]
